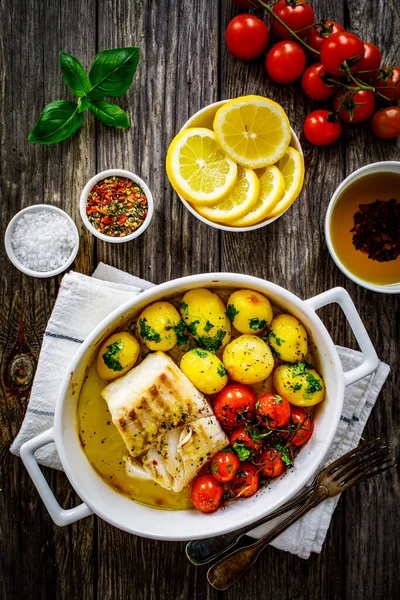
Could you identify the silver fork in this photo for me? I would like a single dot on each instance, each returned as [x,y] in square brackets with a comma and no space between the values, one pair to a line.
[359,464]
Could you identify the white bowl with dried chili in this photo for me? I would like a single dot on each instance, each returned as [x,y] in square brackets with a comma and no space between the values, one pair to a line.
[116,206]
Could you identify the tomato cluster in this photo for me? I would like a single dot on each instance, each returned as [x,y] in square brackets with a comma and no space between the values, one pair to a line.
[342,66]
[264,434]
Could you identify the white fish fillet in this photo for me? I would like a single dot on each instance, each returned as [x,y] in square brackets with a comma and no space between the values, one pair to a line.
[180,454]
[153,398]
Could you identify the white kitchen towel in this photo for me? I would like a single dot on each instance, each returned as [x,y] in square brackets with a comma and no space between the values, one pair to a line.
[84,301]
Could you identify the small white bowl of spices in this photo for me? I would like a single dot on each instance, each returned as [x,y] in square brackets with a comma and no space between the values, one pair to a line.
[116,206]
[42,240]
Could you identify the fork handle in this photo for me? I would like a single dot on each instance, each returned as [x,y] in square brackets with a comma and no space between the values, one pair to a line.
[230,569]
[200,552]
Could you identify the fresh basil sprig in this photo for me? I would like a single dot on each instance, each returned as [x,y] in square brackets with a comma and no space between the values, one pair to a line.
[111,74]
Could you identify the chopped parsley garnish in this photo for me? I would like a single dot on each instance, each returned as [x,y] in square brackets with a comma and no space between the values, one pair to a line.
[212,343]
[313,384]
[148,333]
[111,356]
[185,308]
[231,312]
[208,326]
[301,368]
[278,340]
[180,330]
[256,435]
[200,353]
[192,327]
[242,451]
[284,455]
[296,386]
[256,324]
[221,370]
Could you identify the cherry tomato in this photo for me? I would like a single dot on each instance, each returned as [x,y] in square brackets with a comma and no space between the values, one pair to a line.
[296,14]
[245,483]
[299,417]
[387,83]
[385,123]
[314,85]
[235,403]
[354,108]
[321,128]
[370,62]
[285,62]
[224,466]
[246,440]
[247,36]
[206,493]
[273,410]
[340,49]
[272,463]
[320,31]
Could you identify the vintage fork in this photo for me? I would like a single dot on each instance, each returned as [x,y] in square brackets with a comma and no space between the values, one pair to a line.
[359,464]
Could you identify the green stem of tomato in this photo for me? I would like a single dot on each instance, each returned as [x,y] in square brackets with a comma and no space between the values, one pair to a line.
[274,16]
[350,76]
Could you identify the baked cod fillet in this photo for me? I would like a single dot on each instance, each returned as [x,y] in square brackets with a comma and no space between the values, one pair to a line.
[181,453]
[151,399]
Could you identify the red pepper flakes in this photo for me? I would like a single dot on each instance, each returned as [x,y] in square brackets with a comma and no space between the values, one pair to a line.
[377,230]
[116,206]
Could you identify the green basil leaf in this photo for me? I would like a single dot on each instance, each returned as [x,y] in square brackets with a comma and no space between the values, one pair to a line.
[109,114]
[112,71]
[74,75]
[58,121]
[83,104]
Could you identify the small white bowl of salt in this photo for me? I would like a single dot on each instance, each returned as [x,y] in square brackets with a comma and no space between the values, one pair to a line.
[42,240]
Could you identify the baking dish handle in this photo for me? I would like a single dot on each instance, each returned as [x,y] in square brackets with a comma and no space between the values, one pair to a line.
[370,358]
[59,515]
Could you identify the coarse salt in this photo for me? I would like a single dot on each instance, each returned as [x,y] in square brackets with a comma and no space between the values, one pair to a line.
[43,240]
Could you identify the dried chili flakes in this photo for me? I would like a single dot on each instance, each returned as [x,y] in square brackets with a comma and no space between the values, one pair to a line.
[116,206]
[377,230]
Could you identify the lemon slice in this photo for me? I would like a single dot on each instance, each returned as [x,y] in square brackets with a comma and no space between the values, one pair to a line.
[272,186]
[291,165]
[238,202]
[197,167]
[253,131]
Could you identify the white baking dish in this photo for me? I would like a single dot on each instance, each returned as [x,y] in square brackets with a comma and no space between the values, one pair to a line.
[98,497]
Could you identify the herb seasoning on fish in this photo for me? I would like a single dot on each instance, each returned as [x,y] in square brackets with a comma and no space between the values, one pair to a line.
[116,206]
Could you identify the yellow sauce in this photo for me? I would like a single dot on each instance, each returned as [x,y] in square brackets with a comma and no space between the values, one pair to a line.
[379,186]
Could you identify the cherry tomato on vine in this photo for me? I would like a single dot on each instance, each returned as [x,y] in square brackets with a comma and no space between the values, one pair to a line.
[224,466]
[314,85]
[245,441]
[272,463]
[285,62]
[370,62]
[320,31]
[206,493]
[273,410]
[247,36]
[354,108]
[387,83]
[235,403]
[245,483]
[385,123]
[321,128]
[296,14]
[340,49]
[300,418]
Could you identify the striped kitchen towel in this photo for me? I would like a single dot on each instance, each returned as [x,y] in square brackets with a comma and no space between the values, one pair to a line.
[84,301]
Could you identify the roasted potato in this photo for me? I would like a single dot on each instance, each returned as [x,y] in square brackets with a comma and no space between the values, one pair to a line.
[250,312]
[156,325]
[288,338]
[299,383]
[117,355]
[205,317]
[248,359]
[205,370]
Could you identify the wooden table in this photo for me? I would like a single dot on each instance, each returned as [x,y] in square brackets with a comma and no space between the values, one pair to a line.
[184,65]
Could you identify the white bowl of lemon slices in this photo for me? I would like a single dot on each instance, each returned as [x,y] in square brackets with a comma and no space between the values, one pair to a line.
[237,165]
